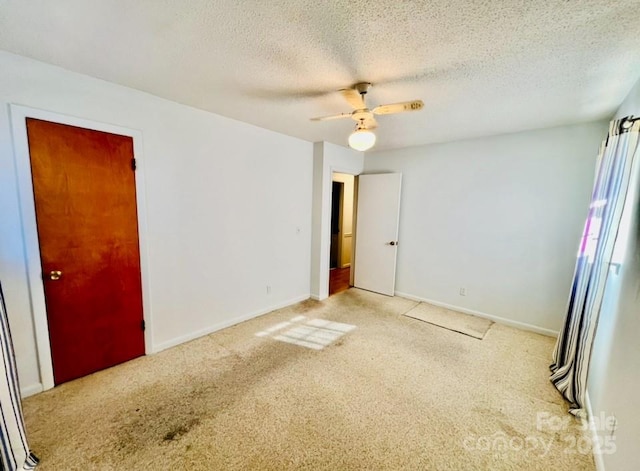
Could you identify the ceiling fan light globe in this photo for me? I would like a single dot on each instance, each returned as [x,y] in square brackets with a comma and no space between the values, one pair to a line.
[362,139]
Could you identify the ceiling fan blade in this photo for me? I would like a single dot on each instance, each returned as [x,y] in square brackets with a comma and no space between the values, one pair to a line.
[335,116]
[354,98]
[415,105]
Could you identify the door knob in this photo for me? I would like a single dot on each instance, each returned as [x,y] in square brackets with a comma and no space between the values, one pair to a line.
[55,275]
[393,242]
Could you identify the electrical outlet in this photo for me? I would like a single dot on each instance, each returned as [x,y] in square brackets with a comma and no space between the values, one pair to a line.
[463,291]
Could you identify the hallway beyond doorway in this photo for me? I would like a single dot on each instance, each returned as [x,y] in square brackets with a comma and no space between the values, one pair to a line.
[339,280]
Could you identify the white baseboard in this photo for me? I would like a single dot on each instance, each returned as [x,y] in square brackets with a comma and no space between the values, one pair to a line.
[597,457]
[30,390]
[499,320]
[223,325]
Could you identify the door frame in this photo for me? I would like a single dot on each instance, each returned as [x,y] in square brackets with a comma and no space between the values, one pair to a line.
[17,116]
[339,237]
[327,159]
[325,242]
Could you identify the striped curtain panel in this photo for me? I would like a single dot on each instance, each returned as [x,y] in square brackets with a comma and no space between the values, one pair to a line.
[616,164]
[14,450]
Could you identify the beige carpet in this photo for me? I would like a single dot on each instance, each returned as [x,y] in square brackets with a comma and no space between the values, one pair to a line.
[392,393]
[457,321]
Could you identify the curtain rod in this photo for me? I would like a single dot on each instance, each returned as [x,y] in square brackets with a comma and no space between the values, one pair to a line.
[627,123]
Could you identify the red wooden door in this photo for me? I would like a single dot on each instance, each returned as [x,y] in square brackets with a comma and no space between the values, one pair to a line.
[85,200]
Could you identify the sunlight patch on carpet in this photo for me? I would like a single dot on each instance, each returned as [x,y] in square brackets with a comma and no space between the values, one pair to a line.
[313,333]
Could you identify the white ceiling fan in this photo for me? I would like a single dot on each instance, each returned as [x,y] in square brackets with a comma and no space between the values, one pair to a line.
[363,137]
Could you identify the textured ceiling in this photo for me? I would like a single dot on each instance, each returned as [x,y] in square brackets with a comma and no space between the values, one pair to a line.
[481,67]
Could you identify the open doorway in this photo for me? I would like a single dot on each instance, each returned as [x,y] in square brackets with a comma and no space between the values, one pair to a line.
[342,197]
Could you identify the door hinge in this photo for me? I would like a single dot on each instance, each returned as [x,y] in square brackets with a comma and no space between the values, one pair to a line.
[133,164]
[143,326]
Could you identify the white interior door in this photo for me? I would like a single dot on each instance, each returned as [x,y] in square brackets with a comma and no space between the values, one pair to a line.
[377,232]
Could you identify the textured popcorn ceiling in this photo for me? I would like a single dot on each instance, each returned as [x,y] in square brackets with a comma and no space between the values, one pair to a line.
[481,67]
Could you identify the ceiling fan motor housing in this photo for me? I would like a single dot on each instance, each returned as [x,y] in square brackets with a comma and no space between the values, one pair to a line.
[359,115]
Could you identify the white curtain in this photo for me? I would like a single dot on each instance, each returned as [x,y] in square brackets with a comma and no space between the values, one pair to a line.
[617,162]
[14,450]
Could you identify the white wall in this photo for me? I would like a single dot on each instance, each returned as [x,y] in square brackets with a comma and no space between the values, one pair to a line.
[327,158]
[228,207]
[614,376]
[347,218]
[499,216]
